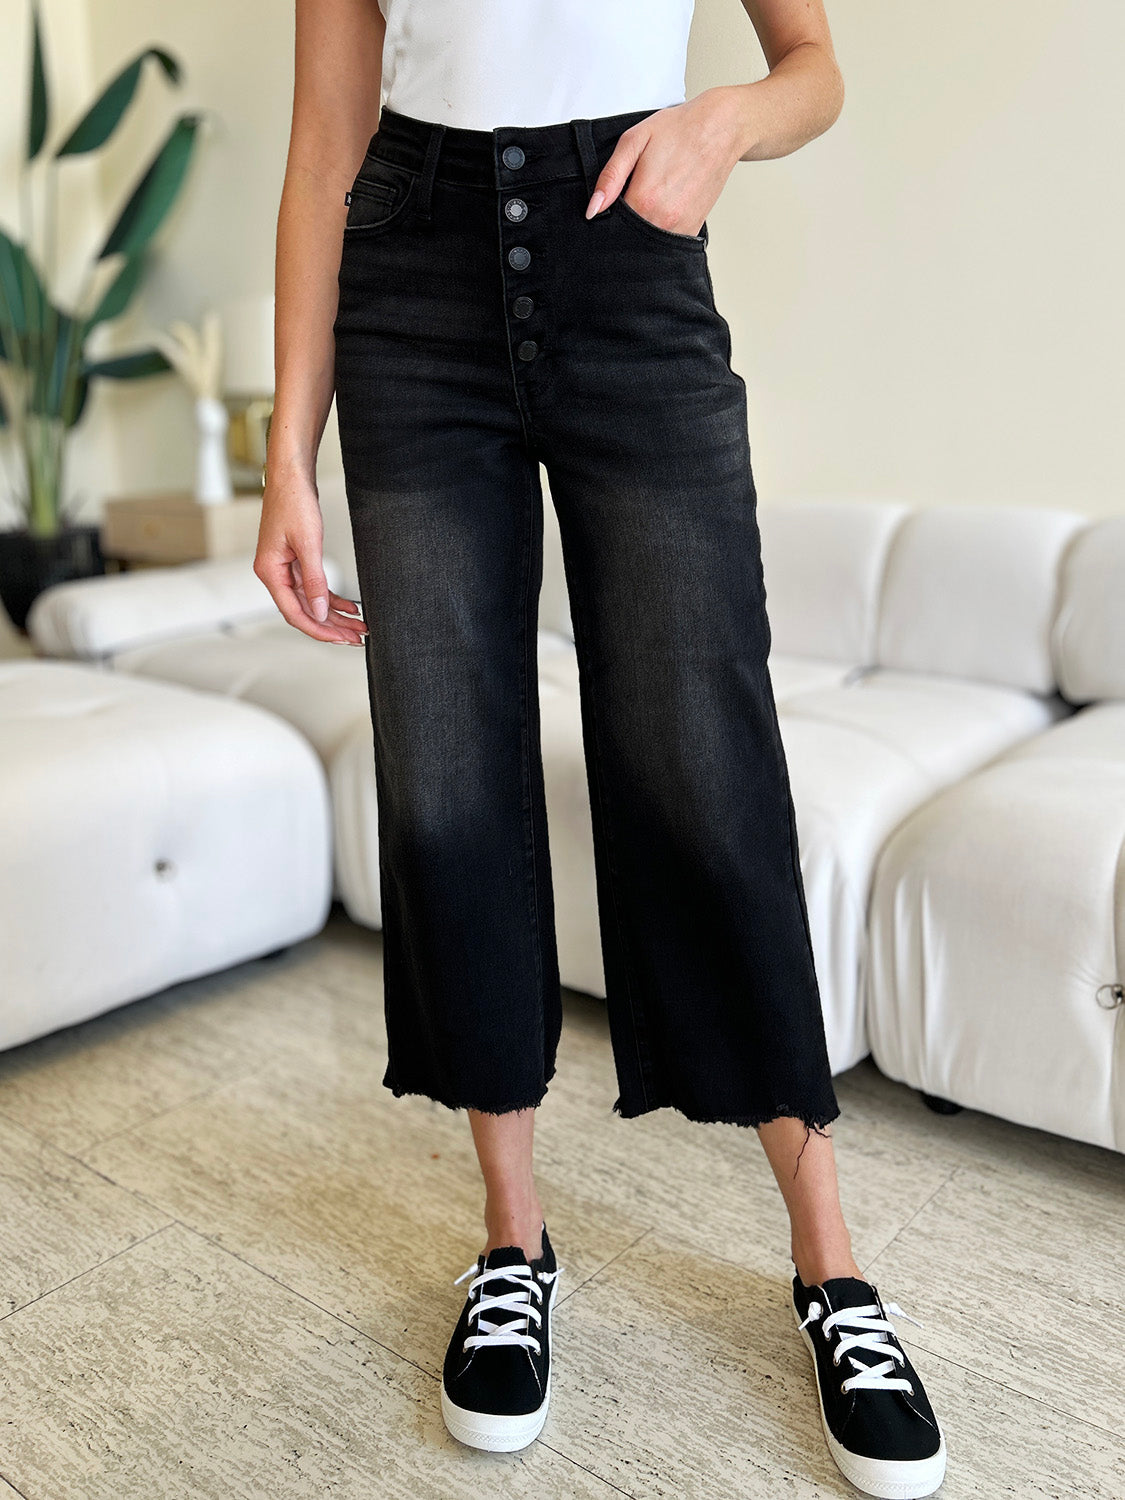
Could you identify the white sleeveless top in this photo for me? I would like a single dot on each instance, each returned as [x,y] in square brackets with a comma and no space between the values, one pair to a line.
[478,64]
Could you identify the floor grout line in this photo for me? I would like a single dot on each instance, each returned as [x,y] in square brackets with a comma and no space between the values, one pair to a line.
[942,1185]
[587,1279]
[78,1275]
[601,1479]
[304,1297]
[1014,1390]
[170,1109]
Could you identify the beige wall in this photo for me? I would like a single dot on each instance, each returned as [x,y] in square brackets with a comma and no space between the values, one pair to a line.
[925,302]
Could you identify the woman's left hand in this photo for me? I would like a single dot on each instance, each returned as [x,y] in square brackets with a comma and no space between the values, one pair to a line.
[675,161]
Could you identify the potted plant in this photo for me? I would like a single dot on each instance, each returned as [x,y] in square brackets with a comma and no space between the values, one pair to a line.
[46,364]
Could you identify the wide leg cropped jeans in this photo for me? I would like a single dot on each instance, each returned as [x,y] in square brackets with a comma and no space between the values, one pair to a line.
[486,326]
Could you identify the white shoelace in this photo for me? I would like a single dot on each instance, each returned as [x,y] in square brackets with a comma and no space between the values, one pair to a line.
[519,1299]
[872,1336]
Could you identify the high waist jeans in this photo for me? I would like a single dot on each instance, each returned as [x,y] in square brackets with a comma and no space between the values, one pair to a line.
[485,326]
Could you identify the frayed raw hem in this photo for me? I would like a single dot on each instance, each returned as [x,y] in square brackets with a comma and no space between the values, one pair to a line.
[811,1122]
[401,1091]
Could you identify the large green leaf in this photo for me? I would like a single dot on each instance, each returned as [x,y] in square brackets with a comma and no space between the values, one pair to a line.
[77,403]
[37,102]
[128,366]
[104,115]
[49,376]
[117,296]
[23,302]
[155,193]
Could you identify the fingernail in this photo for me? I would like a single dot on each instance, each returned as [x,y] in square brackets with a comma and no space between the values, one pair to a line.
[595,204]
[320,609]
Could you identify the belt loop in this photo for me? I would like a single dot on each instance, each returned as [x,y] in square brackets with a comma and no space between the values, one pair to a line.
[429,167]
[585,139]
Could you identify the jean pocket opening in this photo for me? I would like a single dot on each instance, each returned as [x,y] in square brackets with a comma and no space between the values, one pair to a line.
[674,235]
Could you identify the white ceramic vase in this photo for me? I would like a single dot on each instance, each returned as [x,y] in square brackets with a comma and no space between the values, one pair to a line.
[212,473]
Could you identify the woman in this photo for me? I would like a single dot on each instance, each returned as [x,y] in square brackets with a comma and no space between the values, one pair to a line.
[503,267]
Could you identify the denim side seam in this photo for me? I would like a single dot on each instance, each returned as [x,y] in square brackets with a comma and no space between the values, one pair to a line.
[644,1061]
[726,325]
[811,1122]
[528,670]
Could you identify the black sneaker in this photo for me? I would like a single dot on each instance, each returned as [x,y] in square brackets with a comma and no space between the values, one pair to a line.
[496,1383]
[877,1420]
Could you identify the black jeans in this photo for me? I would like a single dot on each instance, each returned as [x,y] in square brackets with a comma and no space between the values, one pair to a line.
[485,325]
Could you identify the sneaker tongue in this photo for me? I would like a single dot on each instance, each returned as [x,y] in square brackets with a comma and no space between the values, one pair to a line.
[505,1255]
[848,1291]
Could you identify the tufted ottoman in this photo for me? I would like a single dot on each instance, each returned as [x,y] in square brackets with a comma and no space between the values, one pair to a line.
[150,834]
[997,917]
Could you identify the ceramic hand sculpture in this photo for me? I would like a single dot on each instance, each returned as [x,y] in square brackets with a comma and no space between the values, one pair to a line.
[198,356]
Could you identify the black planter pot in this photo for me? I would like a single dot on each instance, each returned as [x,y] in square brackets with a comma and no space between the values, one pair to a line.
[29,564]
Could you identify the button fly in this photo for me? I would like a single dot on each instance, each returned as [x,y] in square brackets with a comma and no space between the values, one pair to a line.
[528,349]
[519,257]
[516,209]
[513,157]
[523,307]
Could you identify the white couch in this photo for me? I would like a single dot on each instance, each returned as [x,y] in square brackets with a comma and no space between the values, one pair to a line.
[912,647]
[941,617]
[997,918]
[151,834]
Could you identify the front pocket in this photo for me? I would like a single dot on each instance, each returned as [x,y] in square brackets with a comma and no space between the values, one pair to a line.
[378,195]
[697,241]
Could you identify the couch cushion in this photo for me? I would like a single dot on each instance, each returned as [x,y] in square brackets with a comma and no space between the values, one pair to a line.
[997,930]
[823,564]
[947,726]
[792,676]
[94,617]
[970,591]
[320,687]
[1088,638]
[862,759]
[150,834]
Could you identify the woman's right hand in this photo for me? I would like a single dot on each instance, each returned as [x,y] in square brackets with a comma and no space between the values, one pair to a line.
[289,561]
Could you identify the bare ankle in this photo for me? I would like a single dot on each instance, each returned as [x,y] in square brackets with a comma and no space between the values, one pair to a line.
[522,1226]
[821,1263]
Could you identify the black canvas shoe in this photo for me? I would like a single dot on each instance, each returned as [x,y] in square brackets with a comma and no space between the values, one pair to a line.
[878,1423]
[496,1383]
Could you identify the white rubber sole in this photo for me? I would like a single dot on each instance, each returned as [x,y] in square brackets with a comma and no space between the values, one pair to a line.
[909,1480]
[489,1430]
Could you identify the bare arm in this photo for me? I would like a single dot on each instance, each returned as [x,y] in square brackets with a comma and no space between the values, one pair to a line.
[684,154]
[338,66]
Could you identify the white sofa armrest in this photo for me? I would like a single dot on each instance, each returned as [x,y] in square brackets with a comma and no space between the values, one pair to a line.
[91,618]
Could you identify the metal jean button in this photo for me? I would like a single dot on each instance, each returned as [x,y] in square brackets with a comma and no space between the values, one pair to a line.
[523,307]
[528,349]
[519,257]
[516,209]
[513,157]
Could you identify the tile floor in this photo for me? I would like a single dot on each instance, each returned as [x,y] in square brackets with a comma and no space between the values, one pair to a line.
[229,1256]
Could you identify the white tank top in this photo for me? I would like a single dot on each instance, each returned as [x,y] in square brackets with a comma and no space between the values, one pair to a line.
[479,64]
